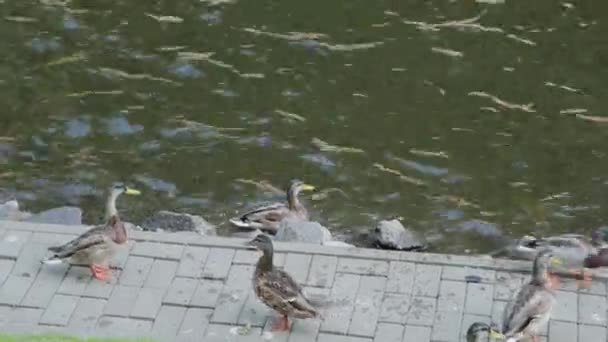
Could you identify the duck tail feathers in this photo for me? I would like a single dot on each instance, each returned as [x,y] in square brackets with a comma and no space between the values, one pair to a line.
[52,261]
[237,221]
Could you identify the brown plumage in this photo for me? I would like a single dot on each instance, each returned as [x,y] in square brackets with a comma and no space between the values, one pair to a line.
[276,288]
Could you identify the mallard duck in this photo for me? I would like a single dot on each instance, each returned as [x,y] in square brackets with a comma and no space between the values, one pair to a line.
[531,308]
[277,289]
[269,217]
[477,330]
[98,245]
[575,250]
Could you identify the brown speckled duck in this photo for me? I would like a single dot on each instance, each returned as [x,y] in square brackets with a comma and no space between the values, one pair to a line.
[98,245]
[277,289]
[268,217]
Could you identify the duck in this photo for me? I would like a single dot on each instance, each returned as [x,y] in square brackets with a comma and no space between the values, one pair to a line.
[531,307]
[98,245]
[268,217]
[477,330]
[277,289]
[577,251]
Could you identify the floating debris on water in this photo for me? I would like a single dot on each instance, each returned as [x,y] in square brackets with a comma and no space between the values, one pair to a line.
[440,154]
[326,147]
[447,52]
[96,92]
[401,176]
[521,40]
[165,18]
[290,116]
[561,86]
[509,105]
[263,185]
[77,57]
[110,72]
[573,111]
[19,19]
[600,119]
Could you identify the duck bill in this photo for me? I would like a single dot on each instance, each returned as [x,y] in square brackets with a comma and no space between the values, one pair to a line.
[496,335]
[307,187]
[131,191]
[556,261]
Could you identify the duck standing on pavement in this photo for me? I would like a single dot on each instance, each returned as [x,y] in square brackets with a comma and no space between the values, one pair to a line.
[96,246]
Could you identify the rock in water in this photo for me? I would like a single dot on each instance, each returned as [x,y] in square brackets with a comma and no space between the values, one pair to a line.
[391,234]
[294,230]
[178,222]
[10,211]
[61,215]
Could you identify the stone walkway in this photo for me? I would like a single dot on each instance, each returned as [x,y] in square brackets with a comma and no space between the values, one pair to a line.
[183,287]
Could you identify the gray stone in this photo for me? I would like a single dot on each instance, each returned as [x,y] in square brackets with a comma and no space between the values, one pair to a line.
[207,293]
[427,280]
[452,296]
[294,230]
[446,326]
[12,243]
[85,316]
[340,338]
[44,287]
[592,310]
[339,244]
[181,291]
[395,308]
[14,289]
[401,277]
[479,299]
[344,292]
[135,271]
[59,310]
[168,321]
[123,327]
[591,333]
[192,262]
[161,273]
[566,306]
[5,269]
[363,266]
[389,332]
[297,265]
[148,302]
[422,310]
[234,294]
[391,234]
[417,333]
[121,301]
[562,331]
[367,308]
[194,324]
[322,270]
[10,211]
[254,313]
[218,263]
[61,215]
[178,222]
[76,281]
[158,250]
[29,263]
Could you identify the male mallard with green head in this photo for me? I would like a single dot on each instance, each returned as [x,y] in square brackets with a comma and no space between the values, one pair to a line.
[96,246]
[268,217]
[276,288]
[530,309]
[478,330]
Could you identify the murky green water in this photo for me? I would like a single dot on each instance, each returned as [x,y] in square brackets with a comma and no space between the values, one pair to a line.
[467,120]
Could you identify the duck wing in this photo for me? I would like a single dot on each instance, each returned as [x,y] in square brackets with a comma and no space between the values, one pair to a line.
[280,289]
[92,237]
[268,214]
[531,305]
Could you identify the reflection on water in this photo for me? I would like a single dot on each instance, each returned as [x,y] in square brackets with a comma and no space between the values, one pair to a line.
[470,120]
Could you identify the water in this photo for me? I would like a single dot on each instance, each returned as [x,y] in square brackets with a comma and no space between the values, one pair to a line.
[470,121]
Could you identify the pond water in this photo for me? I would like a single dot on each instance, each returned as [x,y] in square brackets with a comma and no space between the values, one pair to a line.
[472,122]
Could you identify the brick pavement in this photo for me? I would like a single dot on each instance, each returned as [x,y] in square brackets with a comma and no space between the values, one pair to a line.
[185,287]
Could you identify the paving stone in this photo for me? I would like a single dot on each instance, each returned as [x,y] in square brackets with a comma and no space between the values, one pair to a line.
[19,319]
[76,281]
[59,310]
[233,295]
[303,329]
[207,293]
[322,270]
[229,333]
[135,271]
[276,336]
[181,291]
[596,287]
[592,310]
[192,262]
[343,293]
[401,277]
[51,239]
[367,306]
[246,256]
[363,266]
[498,309]
[123,327]
[218,263]
[452,296]
[194,324]
[12,243]
[507,285]
[44,286]
[254,312]
[101,289]
[147,303]
[479,299]
[422,310]
[29,263]
[460,273]
[14,289]
[168,321]
[446,326]
[339,338]
[591,333]
[161,273]
[122,255]
[5,269]
[566,306]
[562,331]
[395,308]
[388,332]
[158,250]
[85,316]
[297,265]
[417,334]
[122,300]
[427,280]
